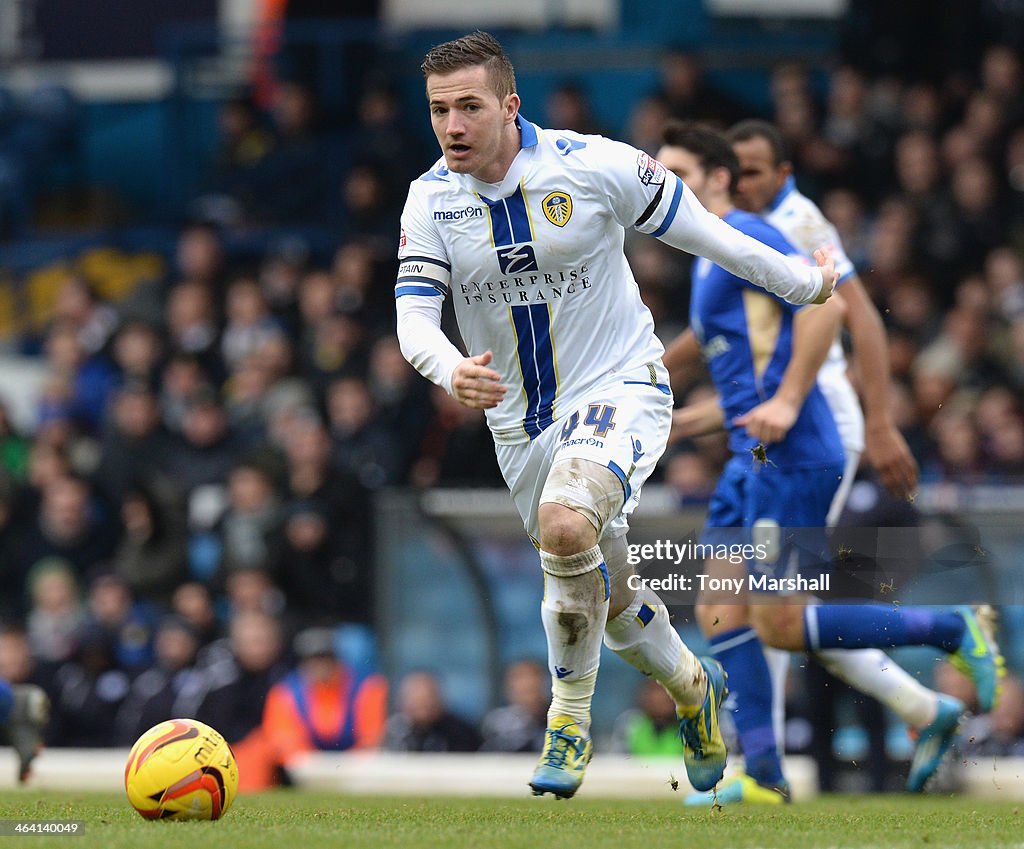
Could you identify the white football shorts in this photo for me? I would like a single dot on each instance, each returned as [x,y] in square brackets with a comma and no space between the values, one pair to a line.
[623,425]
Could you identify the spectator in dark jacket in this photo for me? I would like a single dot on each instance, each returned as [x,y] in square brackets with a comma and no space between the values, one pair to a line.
[205,452]
[174,686]
[134,445]
[361,447]
[243,670]
[152,558]
[87,692]
[520,724]
[241,673]
[321,583]
[424,724]
[326,529]
[67,527]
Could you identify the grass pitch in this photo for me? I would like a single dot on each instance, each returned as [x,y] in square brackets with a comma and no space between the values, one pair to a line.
[296,820]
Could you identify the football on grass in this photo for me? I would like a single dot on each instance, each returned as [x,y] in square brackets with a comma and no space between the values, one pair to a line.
[183,770]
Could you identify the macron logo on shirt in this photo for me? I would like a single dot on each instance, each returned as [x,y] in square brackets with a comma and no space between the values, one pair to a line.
[458,214]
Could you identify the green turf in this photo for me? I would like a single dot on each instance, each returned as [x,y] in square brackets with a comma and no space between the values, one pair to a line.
[292,820]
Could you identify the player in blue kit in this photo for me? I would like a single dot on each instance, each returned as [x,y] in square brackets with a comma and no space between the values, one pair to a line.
[523,229]
[764,356]
[766,187]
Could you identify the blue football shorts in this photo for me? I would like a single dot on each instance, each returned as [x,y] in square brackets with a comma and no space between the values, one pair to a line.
[780,512]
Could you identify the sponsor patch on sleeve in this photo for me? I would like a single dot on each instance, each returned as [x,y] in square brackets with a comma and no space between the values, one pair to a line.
[649,170]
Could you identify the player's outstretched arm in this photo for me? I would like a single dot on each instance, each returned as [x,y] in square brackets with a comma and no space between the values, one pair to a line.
[814,328]
[886,448]
[677,218]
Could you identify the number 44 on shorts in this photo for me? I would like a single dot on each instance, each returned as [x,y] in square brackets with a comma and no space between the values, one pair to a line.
[599,417]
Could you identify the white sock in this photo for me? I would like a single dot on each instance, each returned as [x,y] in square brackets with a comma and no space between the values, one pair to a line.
[874,673]
[643,636]
[778,669]
[574,609]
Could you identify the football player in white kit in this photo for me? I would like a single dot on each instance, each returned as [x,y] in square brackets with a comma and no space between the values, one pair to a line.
[523,229]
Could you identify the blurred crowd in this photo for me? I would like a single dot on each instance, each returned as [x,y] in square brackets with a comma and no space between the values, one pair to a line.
[196,487]
[205,454]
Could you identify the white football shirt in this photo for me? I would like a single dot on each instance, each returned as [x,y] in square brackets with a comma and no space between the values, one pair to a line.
[798,218]
[535,269]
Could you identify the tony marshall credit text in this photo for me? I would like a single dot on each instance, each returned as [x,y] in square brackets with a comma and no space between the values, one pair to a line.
[749,583]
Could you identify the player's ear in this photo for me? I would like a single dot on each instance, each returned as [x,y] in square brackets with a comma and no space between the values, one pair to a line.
[511,107]
[722,177]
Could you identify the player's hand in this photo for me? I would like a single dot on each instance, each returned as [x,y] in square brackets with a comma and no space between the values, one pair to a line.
[889,453]
[829,275]
[769,422]
[475,385]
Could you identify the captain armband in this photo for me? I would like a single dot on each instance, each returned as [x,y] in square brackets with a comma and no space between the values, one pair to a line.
[423,275]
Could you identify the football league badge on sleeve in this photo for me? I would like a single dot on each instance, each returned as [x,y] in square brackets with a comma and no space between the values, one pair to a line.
[649,170]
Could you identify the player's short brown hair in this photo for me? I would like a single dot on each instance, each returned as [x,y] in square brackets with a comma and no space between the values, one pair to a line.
[708,144]
[478,48]
[753,128]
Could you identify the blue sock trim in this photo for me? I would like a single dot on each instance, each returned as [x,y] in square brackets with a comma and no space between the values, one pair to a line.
[730,639]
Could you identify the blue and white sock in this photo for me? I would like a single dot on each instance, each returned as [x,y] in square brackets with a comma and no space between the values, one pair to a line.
[643,636]
[750,694]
